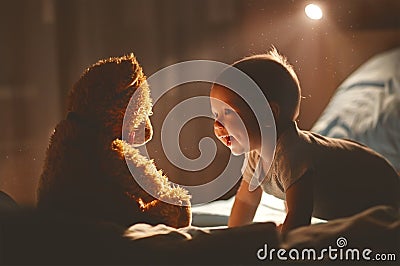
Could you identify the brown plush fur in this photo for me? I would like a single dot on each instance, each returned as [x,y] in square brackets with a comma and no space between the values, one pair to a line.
[85,171]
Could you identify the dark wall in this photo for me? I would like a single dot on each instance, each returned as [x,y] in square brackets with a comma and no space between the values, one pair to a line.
[45,45]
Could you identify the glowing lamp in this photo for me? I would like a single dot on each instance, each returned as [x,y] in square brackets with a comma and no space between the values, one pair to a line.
[313,11]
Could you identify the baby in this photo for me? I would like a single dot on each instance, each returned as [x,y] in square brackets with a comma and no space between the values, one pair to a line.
[315,175]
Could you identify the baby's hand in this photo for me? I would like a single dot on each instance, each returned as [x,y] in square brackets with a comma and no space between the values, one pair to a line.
[279,228]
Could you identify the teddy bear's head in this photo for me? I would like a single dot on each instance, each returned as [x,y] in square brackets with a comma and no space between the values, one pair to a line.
[112,98]
[102,95]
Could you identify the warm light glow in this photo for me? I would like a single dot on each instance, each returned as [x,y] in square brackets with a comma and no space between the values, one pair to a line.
[313,11]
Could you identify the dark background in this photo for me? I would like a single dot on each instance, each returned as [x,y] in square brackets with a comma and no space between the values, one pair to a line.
[46,44]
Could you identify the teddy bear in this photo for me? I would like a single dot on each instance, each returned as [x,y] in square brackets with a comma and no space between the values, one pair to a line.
[85,173]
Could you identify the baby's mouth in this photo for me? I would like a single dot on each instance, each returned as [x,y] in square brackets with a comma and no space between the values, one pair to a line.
[227,140]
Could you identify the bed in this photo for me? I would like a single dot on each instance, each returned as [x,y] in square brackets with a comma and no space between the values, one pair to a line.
[365,108]
[217,213]
[31,238]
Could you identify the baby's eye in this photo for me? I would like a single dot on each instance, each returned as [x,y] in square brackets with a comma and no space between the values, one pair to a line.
[228,111]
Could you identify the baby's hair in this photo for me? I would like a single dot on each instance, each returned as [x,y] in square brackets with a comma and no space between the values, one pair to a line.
[276,78]
[284,62]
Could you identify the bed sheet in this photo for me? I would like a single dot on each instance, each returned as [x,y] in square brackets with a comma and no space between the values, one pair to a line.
[271,209]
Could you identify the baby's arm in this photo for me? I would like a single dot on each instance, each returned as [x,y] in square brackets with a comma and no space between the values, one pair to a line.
[299,202]
[245,205]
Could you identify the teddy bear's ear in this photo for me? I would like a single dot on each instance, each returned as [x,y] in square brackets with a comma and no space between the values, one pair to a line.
[117,74]
[130,73]
[116,77]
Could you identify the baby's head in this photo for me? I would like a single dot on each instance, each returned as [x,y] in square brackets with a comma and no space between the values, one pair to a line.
[235,124]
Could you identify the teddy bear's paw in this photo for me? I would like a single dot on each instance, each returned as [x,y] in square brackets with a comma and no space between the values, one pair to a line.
[159,212]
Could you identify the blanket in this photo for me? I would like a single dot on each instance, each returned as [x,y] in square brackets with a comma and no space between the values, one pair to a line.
[28,237]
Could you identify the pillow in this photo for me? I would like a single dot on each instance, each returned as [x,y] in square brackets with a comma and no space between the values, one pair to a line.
[366,107]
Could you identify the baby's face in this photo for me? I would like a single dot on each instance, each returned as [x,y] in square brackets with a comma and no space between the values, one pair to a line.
[235,125]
